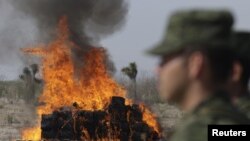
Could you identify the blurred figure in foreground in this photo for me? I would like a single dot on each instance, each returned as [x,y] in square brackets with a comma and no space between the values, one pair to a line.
[241,72]
[196,62]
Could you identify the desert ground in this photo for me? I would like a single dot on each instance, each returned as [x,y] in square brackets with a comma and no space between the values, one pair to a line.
[14,115]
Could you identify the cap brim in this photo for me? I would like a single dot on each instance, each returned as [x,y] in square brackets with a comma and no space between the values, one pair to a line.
[157,50]
[164,49]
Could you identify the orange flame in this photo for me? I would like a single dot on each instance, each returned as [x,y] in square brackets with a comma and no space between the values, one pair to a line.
[92,89]
[33,133]
[150,118]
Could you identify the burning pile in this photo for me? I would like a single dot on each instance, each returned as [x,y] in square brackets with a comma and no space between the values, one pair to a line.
[100,110]
[117,122]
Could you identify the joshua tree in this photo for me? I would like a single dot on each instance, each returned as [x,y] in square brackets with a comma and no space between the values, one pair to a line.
[29,77]
[131,72]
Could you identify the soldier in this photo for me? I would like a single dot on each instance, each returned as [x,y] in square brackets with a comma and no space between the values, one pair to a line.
[195,68]
[241,72]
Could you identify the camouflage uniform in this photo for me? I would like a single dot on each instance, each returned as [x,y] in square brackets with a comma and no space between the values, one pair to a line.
[209,28]
[243,103]
[216,110]
[242,48]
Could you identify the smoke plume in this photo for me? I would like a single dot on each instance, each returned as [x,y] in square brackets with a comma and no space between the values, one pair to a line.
[89,20]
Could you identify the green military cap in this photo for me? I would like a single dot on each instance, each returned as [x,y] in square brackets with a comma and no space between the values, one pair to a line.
[241,44]
[195,27]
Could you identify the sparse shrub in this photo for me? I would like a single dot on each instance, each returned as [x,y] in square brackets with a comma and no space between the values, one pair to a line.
[10,119]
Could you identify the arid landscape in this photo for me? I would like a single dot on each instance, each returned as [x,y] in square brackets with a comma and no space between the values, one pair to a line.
[16,114]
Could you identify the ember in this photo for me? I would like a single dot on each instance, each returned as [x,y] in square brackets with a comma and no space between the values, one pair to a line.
[100,110]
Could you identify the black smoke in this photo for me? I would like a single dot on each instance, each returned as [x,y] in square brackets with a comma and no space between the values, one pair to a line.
[89,20]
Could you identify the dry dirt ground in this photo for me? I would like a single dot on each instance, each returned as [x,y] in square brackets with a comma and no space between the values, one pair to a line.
[14,115]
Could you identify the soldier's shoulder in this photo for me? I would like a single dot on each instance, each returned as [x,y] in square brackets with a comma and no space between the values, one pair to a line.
[187,130]
[221,112]
[217,112]
[244,106]
[195,123]
[244,102]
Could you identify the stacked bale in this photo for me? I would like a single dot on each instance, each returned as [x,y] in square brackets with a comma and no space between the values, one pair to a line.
[117,121]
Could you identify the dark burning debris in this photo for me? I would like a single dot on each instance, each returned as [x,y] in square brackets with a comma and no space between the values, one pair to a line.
[116,122]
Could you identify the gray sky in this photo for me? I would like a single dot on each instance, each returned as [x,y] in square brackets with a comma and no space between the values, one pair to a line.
[16,31]
[145,25]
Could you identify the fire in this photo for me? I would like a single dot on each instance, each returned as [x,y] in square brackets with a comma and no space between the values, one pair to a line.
[150,118]
[33,133]
[91,88]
